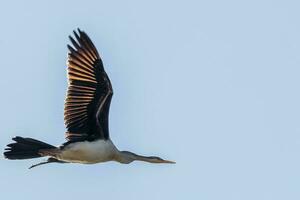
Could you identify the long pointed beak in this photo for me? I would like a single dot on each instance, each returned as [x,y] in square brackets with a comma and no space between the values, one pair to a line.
[168,161]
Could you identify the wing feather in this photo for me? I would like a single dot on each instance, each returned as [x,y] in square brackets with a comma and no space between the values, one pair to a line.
[89,92]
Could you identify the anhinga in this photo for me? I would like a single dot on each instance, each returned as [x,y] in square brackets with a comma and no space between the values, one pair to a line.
[86,115]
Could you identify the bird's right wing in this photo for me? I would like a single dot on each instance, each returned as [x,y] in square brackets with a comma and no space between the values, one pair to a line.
[89,92]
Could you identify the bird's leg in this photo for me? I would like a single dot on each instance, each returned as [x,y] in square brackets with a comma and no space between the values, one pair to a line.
[49,160]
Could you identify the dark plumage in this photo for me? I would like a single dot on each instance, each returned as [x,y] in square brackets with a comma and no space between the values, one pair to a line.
[89,92]
[25,148]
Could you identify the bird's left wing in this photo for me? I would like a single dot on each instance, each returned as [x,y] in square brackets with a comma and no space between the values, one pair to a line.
[89,92]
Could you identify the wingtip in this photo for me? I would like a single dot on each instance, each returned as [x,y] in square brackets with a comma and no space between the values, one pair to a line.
[4,155]
[70,38]
[16,137]
[70,48]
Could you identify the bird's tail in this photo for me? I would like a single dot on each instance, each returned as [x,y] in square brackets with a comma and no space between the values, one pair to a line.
[25,148]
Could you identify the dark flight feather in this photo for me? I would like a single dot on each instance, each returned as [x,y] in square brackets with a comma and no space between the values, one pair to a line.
[89,92]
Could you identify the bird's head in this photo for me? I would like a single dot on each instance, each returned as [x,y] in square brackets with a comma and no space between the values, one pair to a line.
[155,159]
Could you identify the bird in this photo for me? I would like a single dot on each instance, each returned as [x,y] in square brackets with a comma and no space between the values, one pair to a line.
[86,115]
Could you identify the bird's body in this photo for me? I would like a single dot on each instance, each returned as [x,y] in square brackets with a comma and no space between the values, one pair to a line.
[88,152]
[86,115]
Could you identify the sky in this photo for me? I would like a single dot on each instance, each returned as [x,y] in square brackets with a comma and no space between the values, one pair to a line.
[212,85]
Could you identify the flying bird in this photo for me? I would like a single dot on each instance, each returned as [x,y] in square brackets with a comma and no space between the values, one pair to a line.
[86,115]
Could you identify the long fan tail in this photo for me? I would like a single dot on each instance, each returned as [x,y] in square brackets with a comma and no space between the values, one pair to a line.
[25,148]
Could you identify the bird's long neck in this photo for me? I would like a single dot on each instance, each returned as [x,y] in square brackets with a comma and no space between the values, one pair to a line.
[127,157]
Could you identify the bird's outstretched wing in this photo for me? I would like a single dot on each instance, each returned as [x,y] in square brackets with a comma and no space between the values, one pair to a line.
[89,92]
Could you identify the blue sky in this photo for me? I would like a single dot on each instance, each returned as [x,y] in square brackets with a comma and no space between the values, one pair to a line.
[213,85]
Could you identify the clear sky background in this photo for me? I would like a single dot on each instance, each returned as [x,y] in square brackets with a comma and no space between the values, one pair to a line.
[213,85]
